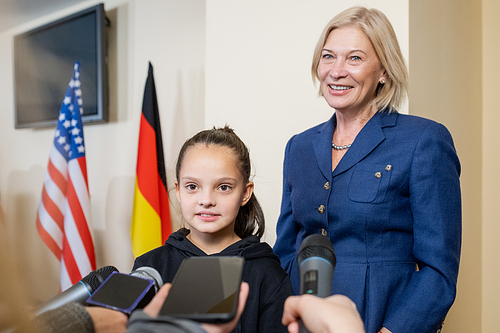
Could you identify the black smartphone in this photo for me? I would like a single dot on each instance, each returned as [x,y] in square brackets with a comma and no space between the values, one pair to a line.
[123,292]
[205,289]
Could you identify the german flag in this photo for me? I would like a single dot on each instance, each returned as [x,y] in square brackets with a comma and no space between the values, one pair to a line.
[151,213]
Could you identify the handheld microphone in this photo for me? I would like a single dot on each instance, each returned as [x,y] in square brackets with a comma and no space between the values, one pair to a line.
[316,259]
[79,292]
[127,292]
[149,273]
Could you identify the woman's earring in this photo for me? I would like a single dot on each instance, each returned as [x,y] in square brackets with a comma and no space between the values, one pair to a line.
[382,81]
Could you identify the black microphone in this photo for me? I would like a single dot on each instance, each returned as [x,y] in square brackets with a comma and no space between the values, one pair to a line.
[316,259]
[79,292]
[127,292]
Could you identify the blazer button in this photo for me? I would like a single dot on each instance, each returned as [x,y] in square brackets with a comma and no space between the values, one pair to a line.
[326,186]
[378,174]
[321,209]
[323,232]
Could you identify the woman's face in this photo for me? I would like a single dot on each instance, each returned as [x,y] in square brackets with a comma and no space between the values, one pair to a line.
[349,70]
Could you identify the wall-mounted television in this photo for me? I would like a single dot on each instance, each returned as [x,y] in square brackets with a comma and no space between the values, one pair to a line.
[43,64]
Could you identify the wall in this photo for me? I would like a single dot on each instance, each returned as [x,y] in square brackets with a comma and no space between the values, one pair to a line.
[216,61]
[491,164]
[258,77]
[247,64]
[140,31]
[445,85]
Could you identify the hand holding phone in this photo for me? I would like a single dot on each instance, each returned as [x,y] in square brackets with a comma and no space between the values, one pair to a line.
[205,289]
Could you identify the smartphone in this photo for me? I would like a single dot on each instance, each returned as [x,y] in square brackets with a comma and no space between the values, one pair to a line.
[123,292]
[205,289]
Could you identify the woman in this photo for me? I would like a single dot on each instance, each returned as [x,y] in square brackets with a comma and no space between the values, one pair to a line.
[382,186]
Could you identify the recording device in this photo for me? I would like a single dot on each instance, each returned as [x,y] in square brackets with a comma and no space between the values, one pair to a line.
[127,292]
[205,289]
[79,292]
[316,259]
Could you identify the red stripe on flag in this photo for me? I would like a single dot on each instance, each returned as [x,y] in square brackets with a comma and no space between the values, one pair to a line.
[80,222]
[69,261]
[52,209]
[57,177]
[47,239]
[147,170]
[82,161]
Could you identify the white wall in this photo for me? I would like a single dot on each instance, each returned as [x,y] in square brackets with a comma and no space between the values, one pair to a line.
[258,79]
[245,63]
[170,34]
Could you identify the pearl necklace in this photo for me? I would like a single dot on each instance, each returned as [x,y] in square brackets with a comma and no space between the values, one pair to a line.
[334,146]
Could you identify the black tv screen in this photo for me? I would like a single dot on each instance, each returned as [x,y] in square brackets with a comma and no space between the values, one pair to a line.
[43,64]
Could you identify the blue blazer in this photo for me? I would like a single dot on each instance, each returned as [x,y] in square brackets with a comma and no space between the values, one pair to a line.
[392,210]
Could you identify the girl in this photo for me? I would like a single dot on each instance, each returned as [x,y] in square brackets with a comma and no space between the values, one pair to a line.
[224,218]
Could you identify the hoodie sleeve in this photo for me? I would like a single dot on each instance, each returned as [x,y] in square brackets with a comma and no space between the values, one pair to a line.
[272,308]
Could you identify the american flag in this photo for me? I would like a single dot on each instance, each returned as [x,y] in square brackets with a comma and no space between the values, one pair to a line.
[63,216]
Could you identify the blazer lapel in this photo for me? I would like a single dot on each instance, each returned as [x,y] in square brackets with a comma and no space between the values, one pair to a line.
[370,136]
[323,147]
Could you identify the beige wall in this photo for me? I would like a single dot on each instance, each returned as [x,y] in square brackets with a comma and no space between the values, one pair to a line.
[490,167]
[446,85]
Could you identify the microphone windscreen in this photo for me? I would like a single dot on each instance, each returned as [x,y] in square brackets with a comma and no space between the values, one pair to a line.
[316,245]
[149,273]
[94,279]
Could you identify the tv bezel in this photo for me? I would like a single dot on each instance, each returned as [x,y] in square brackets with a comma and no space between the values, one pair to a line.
[102,115]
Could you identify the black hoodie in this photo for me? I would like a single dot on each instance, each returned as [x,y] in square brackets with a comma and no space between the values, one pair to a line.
[269,283]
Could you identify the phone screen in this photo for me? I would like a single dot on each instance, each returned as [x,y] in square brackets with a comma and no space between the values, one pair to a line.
[205,289]
[123,292]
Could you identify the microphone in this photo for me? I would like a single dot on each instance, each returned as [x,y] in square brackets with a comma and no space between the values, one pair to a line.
[316,259]
[149,273]
[79,292]
[127,292]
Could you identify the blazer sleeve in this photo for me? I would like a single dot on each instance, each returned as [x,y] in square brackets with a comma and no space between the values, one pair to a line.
[286,228]
[435,201]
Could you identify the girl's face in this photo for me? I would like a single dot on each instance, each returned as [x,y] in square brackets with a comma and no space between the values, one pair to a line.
[211,191]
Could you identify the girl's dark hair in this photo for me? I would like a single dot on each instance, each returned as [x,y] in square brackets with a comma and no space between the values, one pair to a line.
[250,219]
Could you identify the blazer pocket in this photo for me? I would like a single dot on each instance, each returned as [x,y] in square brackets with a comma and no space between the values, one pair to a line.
[369,183]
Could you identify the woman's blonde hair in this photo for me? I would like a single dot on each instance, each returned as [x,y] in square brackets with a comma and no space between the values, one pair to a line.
[393,93]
